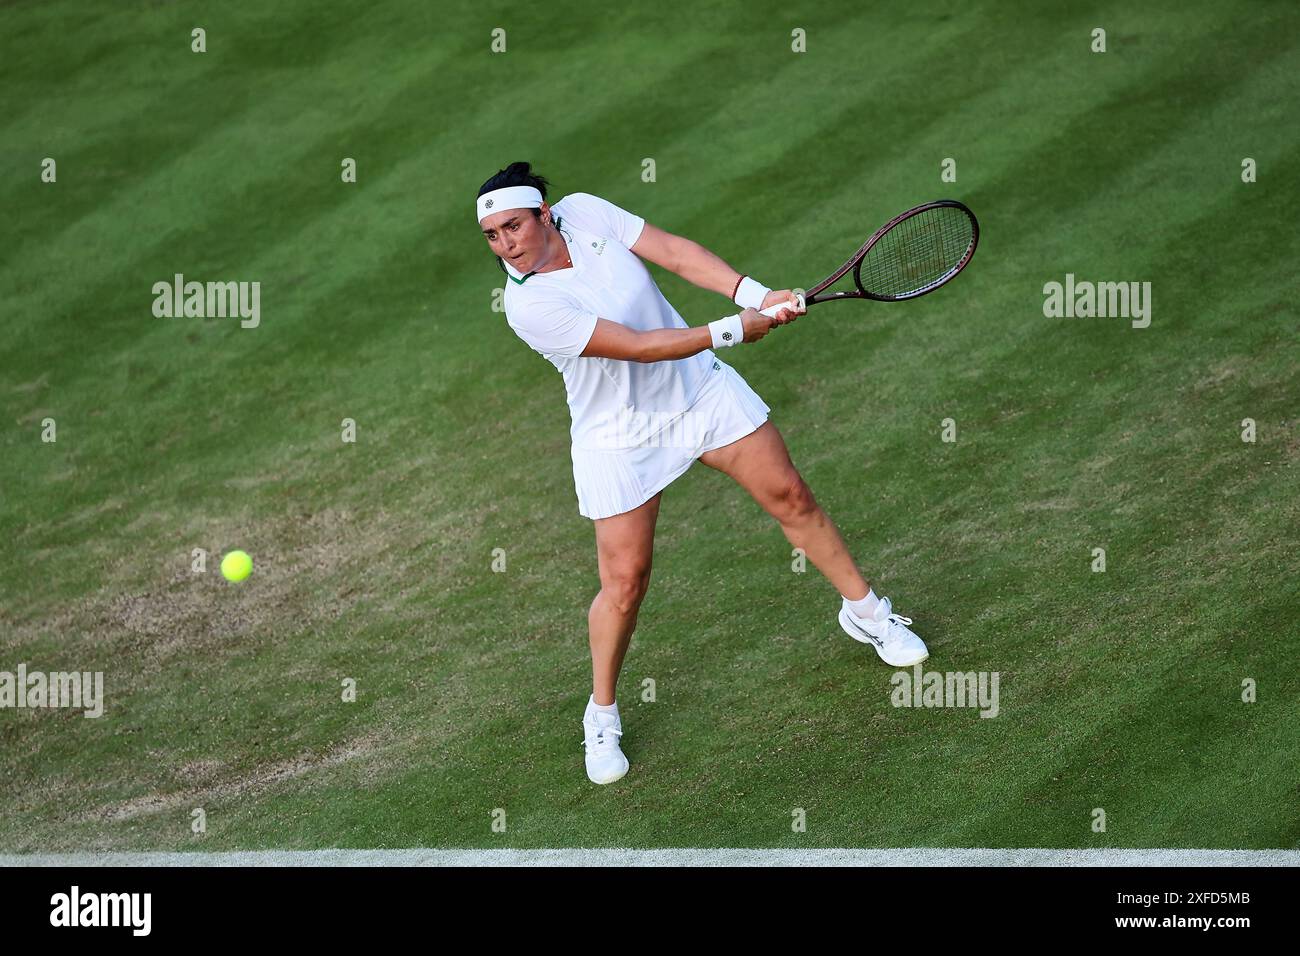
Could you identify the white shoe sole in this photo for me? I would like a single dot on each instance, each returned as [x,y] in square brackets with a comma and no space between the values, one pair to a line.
[862,637]
[618,776]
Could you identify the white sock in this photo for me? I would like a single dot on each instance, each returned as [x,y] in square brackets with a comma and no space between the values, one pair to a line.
[602,708]
[864,608]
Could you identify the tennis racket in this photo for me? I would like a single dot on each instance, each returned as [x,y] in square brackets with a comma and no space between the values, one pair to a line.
[912,254]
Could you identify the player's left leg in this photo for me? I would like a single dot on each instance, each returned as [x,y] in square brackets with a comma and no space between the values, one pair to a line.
[760,463]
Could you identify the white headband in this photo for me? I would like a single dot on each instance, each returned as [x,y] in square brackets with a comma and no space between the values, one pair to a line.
[510,197]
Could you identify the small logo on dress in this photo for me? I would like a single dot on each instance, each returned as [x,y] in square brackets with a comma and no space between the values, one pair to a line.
[716,366]
[599,248]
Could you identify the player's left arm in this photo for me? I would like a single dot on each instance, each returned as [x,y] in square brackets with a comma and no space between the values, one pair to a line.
[694,263]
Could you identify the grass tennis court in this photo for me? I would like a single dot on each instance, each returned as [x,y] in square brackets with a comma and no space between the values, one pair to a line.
[1119,690]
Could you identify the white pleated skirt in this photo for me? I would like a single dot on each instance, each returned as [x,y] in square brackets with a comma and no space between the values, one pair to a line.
[612,481]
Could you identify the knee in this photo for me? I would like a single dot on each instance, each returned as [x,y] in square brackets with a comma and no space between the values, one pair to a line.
[794,500]
[625,590]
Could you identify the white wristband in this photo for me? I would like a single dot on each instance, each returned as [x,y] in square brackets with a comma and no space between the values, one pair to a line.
[727,331]
[750,294]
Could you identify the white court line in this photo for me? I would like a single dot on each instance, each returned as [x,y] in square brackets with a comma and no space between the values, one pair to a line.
[670,857]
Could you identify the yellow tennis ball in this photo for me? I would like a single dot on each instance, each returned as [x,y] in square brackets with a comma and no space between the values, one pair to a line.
[236,566]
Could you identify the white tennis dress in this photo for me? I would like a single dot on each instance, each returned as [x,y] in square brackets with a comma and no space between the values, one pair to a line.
[636,425]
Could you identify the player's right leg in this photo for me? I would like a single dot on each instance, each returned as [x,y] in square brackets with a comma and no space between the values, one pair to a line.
[624,551]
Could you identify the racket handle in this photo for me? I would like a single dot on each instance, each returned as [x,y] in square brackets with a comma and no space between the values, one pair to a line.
[771,311]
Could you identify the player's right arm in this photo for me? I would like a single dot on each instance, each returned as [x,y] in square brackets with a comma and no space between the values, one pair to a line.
[615,340]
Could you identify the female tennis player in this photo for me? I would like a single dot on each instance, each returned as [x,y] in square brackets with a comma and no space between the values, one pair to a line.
[648,397]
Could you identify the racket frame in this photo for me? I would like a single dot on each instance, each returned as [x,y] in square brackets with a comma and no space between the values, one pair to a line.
[814,295]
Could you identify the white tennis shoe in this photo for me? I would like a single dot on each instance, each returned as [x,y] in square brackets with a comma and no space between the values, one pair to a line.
[605,760]
[887,632]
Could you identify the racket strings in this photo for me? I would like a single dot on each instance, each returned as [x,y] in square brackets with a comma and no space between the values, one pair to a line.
[917,253]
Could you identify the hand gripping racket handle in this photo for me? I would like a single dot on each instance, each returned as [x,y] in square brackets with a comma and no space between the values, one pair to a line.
[772,310]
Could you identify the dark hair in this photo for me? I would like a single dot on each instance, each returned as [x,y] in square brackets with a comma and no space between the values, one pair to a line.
[516,174]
